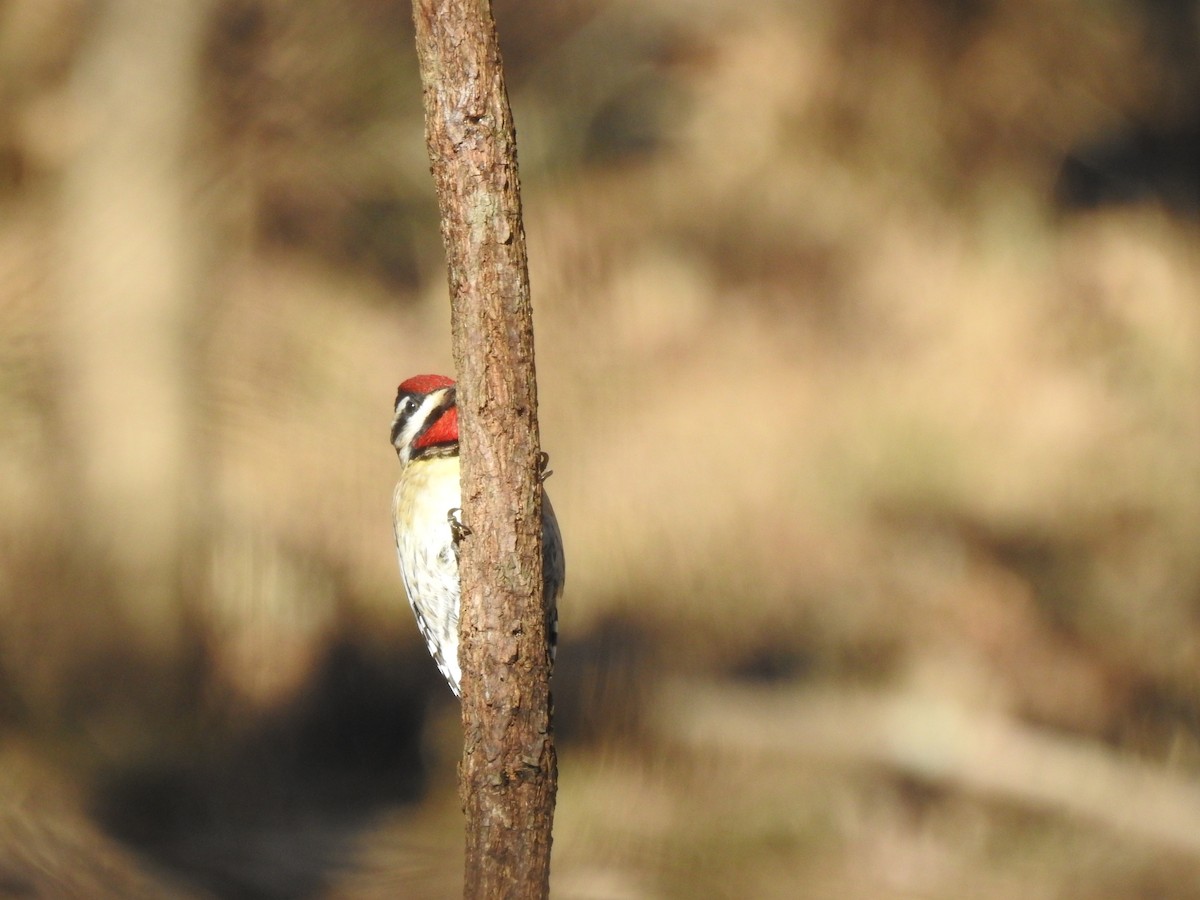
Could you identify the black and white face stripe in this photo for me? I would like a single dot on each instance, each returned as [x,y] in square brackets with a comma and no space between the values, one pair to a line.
[415,414]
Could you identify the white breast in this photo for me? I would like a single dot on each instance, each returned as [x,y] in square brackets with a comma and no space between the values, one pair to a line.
[428,489]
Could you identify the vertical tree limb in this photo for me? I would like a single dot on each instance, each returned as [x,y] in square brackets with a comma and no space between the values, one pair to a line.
[129,279]
[509,771]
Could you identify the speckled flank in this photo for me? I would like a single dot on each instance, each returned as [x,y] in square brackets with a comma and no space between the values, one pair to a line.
[428,489]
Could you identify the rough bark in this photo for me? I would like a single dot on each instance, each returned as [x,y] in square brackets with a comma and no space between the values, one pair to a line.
[509,770]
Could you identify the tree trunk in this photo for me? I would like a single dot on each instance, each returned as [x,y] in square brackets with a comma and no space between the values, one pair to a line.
[509,771]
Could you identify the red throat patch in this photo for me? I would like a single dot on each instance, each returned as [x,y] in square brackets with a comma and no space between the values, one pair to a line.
[443,431]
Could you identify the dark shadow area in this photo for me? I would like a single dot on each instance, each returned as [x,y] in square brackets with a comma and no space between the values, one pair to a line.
[600,681]
[1154,158]
[269,814]
[1137,165]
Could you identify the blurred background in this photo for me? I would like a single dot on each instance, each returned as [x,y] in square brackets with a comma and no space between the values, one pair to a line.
[869,359]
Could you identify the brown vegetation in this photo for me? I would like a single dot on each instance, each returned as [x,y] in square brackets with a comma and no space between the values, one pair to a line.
[868,349]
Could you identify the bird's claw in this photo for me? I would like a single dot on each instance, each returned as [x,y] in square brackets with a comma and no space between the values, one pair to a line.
[458,528]
[543,463]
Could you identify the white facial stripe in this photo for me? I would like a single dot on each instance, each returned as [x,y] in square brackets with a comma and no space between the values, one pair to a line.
[414,423]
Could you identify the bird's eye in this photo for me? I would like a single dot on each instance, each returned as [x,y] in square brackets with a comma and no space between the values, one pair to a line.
[408,407]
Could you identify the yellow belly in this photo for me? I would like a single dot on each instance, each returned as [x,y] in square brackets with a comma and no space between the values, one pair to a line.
[428,489]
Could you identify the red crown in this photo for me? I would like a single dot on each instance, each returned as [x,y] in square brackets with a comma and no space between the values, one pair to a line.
[423,384]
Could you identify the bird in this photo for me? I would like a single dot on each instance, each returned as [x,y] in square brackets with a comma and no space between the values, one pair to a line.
[427,524]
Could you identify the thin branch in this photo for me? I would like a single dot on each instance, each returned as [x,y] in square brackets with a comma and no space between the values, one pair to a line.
[509,771]
[934,739]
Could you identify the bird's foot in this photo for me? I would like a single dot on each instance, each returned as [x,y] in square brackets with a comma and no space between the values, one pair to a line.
[458,529]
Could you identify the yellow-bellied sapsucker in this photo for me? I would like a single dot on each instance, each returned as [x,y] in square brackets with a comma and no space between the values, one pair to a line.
[425,509]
